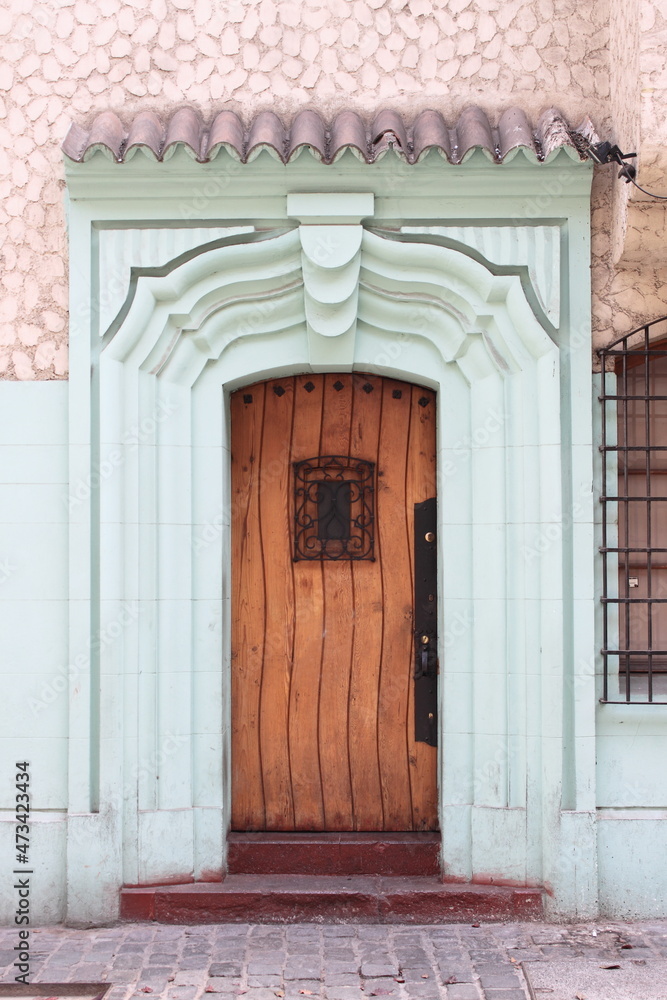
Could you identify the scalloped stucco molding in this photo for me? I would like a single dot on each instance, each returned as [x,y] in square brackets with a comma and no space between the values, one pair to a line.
[322,278]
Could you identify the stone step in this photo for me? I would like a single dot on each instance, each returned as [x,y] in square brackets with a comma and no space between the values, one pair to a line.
[330,898]
[333,853]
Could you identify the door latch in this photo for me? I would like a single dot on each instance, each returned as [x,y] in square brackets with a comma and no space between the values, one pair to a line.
[426,662]
[426,623]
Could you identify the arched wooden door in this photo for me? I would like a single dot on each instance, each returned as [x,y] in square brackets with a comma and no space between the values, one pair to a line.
[323,727]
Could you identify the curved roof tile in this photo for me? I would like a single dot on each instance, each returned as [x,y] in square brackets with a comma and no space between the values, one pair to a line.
[184,128]
[430,132]
[307,131]
[389,130]
[145,130]
[347,132]
[226,132]
[266,132]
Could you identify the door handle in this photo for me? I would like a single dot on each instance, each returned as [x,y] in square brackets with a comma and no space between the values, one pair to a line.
[421,662]
[425,656]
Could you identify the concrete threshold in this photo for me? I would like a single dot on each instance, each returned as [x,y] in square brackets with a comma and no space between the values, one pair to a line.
[331,899]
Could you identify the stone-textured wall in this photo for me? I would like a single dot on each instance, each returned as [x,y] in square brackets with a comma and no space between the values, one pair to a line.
[68,59]
[629,248]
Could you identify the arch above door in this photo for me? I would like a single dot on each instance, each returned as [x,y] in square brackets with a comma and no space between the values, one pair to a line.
[472,313]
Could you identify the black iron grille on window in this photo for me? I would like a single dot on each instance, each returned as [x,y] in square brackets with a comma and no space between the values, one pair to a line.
[634,516]
[333,508]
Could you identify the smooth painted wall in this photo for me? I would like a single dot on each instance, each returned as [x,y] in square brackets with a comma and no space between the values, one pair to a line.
[34,619]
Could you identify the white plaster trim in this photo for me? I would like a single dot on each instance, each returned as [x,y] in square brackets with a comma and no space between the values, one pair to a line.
[328,207]
[122,248]
[536,247]
[234,315]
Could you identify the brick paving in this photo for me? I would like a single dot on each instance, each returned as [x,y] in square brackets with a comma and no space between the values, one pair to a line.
[332,961]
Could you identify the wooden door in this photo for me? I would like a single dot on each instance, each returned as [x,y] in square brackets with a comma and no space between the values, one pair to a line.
[322,650]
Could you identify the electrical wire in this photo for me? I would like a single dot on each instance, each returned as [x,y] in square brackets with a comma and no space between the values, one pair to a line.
[661,197]
[604,152]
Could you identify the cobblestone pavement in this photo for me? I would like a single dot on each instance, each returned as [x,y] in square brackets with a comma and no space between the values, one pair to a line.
[333,961]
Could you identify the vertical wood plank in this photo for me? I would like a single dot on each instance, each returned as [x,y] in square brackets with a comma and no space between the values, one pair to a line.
[279,635]
[367,638]
[308,629]
[421,485]
[322,692]
[248,611]
[338,632]
[396,666]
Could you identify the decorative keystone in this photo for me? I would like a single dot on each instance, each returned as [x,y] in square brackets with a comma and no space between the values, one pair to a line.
[330,231]
[335,208]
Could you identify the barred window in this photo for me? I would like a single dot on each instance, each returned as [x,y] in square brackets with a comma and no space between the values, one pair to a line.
[634,516]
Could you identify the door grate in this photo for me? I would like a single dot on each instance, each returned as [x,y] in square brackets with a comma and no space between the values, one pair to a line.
[334,508]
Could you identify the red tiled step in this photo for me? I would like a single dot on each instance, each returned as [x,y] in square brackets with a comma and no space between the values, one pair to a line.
[331,898]
[333,853]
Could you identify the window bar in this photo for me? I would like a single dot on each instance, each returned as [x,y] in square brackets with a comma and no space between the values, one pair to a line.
[626,509]
[637,600]
[615,499]
[634,548]
[649,513]
[621,652]
[605,548]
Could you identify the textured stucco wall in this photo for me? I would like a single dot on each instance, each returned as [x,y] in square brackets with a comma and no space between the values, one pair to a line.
[69,59]
[629,250]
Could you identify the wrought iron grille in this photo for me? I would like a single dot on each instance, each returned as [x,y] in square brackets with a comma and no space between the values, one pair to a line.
[634,516]
[334,508]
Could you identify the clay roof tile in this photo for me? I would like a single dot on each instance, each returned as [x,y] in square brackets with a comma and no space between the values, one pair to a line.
[308,130]
[348,131]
